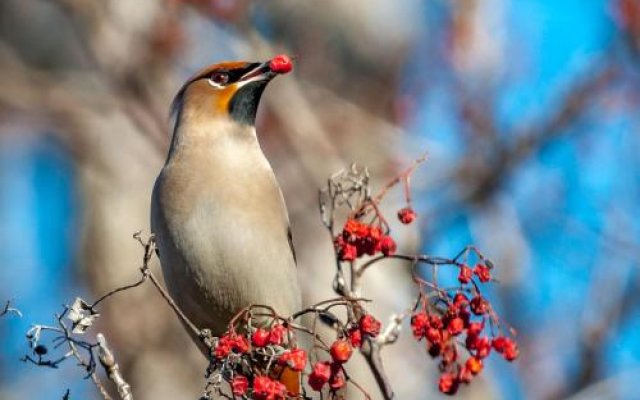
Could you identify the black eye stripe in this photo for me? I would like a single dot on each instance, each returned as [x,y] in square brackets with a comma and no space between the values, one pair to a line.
[237,73]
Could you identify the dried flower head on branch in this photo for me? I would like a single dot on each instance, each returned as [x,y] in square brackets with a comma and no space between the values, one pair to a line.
[261,348]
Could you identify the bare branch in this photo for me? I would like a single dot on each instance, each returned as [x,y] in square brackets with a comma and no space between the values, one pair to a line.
[108,362]
[8,309]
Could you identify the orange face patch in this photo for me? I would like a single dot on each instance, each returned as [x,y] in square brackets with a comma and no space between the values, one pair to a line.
[220,101]
[218,98]
[223,97]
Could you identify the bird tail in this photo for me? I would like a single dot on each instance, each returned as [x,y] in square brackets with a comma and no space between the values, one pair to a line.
[291,380]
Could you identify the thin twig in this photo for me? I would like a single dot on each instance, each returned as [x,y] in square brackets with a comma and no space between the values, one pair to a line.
[111,367]
[414,258]
[403,175]
[8,309]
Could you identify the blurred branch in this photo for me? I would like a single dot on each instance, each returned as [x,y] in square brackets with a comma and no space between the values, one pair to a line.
[608,388]
[8,309]
[480,175]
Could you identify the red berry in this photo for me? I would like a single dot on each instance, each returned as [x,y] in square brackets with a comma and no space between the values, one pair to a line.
[281,64]
[407,215]
[369,325]
[341,351]
[433,335]
[470,342]
[499,343]
[223,347]
[455,326]
[375,233]
[348,252]
[387,245]
[265,388]
[448,383]
[315,382]
[482,346]
[239,385]
[475,328]
[483,272]
[296,359]
[222,351]
[465,274]
[337,380]
[261,384]
[355,337]
[260,337]
[479,305]
[464,375]
[277,333]
[240,344]
[319,375]
[465,314]
[338,243]
[511,351]
[354,230]
[460,301]
[419,324]
[435,321]
[474,365]
[449,355]
[370,244]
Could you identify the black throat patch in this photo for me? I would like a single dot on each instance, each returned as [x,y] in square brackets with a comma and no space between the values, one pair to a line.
[244,103]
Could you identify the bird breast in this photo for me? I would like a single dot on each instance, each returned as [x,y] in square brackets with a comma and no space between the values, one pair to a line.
[221,228]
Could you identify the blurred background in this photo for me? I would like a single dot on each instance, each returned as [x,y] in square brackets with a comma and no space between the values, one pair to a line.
[529,111]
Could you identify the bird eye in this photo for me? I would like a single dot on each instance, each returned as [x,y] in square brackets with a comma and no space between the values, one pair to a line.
[219,78]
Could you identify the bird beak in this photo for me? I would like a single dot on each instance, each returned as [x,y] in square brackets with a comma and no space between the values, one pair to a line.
[261,72]
[280,64]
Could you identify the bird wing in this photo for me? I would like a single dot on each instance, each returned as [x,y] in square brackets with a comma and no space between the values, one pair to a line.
[293,249]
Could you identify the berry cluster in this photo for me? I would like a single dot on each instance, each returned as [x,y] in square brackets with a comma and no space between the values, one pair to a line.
[240,356]
[331,373]
[481,270]
[450,321]
[367,326]
[264,388]
[358,239]
[253,363]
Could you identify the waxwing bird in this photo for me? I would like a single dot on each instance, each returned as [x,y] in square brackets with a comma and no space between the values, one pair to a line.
[217,212]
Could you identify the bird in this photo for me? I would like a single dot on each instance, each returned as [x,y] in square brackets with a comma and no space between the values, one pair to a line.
[217,211]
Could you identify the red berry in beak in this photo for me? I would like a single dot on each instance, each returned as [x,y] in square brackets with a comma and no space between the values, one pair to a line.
[281,64]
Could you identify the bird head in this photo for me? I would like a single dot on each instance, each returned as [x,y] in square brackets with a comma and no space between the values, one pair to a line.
[229,89]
